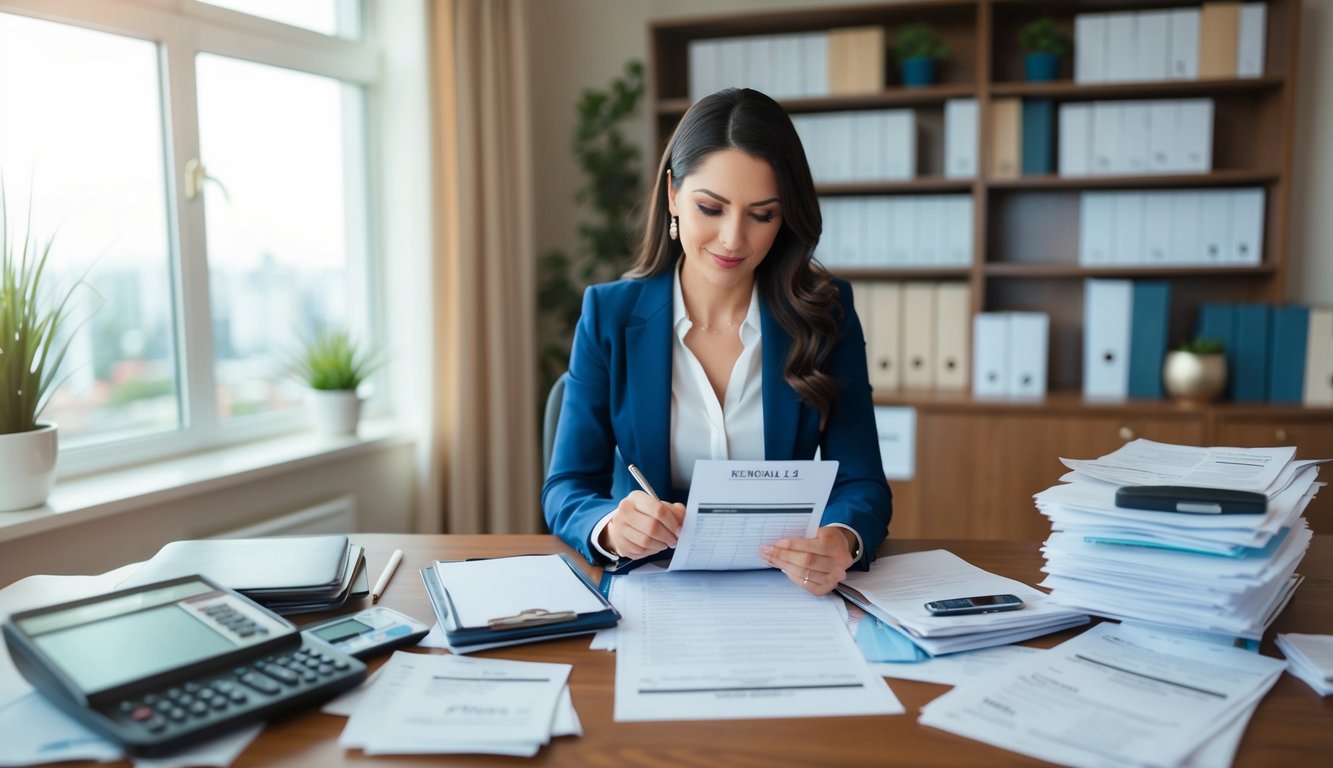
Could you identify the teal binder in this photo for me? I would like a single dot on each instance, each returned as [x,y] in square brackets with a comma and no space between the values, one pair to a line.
[1150,315]
[1290,332]
[1216,322]
[1249,375]
[1038,136]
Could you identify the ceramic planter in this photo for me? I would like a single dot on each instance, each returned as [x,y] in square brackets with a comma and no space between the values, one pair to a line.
[335,412]
[1194,377]
[918,71]
[1042,67]
[27,467]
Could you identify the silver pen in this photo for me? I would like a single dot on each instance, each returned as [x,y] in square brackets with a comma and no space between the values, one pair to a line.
[643,482]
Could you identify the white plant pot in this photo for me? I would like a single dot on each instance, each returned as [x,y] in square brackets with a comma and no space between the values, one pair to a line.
[27,467]
[335,412]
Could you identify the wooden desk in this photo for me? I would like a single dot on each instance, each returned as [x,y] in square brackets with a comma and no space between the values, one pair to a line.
[1293,725]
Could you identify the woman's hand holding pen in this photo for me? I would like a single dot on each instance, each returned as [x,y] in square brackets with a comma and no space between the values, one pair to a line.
[816,565]
[643,526]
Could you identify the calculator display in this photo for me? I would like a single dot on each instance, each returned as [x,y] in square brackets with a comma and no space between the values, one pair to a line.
[335,633]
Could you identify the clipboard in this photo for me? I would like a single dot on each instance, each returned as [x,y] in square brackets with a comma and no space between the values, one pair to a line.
[510,627]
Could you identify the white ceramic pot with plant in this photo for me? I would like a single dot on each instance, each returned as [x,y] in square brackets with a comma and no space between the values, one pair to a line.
[32,346]
[1196,371]
[333,365]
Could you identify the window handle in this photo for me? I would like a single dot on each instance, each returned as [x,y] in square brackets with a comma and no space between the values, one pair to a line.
[195,176]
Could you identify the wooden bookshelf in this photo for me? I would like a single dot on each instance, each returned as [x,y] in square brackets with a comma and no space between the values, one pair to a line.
[1025,247]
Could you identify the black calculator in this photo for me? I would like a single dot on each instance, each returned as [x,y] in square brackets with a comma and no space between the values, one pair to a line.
[165,665]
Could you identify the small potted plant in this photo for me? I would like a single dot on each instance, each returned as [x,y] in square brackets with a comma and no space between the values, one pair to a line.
[1043,43]
[918,48]
[34,341]
[1196,371]
[334,365]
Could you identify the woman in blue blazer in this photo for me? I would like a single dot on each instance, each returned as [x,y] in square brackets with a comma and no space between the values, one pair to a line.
[724,341]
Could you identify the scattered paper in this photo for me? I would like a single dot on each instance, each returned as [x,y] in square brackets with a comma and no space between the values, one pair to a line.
[959,668]
[1145,462]
[1310,659]
[713,646]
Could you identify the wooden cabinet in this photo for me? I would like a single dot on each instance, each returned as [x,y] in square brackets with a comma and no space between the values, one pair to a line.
[1310,430]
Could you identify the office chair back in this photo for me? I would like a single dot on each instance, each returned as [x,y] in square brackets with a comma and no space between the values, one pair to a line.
[554,400]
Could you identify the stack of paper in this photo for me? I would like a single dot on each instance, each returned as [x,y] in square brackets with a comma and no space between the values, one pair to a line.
[897,588]
[419,704]
[1223,573]
[1310,657]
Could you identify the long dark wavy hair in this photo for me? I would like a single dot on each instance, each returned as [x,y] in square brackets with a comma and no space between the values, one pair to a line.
[796,289]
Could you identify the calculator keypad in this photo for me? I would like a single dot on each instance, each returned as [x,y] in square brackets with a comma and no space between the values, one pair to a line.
[231,695]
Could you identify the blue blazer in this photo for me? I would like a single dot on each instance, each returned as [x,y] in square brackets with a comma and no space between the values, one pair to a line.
[617,411]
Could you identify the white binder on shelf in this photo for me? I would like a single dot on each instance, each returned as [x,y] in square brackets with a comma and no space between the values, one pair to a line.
[1157,226]
[703,57]
[1319,358]
[1250,45]
[1075,139]
[918,335]
[1194,131]
[759,66]
[1105,138]
[902,231]
[960,138]
[1247,227]
[1215,213]
[787,77]
[1090,51]
[1095,222]
[827,249]
[1106,326]
[899,153]
[1152,58]
[929,230]
[1121,39]
[1029,341]
[1187,227]
[990,354]
[867,141]
[1127,230]
[731,63]
[851,235]
[863,300]
[957,251]
[885,345]
[839,149]
[953,335]
[814,64]
[878,231]
[1184,44]
[897,441]
[1162,151]
[1132,157]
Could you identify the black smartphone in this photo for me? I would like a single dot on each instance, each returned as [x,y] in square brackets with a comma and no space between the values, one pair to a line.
[959,606]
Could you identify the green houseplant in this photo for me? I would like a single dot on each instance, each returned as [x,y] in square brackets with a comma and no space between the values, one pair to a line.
[33,342]
[334,365]
[612,175]
[918,50]
[1043,44]
[1196,371]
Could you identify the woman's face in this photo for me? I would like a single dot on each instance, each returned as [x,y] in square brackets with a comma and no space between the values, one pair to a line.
[729,214]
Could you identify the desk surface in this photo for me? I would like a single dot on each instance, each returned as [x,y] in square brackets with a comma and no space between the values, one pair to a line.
[1293,725]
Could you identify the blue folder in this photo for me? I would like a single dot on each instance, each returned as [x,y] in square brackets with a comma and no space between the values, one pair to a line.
[1290,332]
[1038,136]
[1249,374]
[1216,322]
[1147,337]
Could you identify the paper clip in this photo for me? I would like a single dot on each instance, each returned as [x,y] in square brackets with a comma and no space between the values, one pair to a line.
[532,617]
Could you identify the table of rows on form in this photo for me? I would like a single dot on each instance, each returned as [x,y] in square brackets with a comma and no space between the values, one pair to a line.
[729,536]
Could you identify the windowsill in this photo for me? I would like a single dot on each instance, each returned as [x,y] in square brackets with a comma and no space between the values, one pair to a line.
[109,493]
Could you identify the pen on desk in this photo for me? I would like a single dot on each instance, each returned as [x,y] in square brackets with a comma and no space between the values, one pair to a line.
[643,482]
[394,560]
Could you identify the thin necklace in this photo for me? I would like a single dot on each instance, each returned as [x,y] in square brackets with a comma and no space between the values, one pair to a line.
[714,328]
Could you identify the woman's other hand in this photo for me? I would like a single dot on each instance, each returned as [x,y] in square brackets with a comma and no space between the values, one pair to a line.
[817,564]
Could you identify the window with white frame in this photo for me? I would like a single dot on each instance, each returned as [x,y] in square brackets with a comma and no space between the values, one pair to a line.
[203,172]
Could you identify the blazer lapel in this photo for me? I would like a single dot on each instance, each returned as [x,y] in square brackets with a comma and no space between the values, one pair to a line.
[782,409]
[648,355]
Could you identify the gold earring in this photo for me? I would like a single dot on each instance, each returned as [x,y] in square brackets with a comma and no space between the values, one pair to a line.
[673,231]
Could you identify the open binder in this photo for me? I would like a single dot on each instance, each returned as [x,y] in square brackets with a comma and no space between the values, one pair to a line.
[509,600]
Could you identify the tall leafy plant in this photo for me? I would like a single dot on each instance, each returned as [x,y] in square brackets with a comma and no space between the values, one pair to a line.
[610,193]
[32,344]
